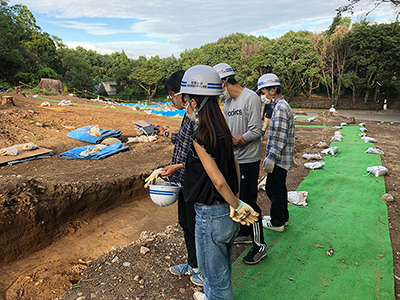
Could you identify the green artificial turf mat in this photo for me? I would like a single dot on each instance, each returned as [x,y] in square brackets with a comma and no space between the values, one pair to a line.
[344,213]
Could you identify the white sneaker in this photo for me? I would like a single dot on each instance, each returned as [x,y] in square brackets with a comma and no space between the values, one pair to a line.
[267,224]
[199,296]
[268,218]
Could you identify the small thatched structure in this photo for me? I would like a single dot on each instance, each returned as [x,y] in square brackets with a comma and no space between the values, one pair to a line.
[55,85]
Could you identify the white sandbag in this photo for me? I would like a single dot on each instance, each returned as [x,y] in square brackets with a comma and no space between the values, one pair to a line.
[10,151]
[29,146]
[377,171]
[332,109]
[387,197]
[331,150]
[338,127]
[314,165]
[374,150]
[361,124]
[45,103]
[65,103]
[312,156]
[95,131]
[368,139]
[363,129]
[338,133]
[96,148]
[311,119]
[343,124]
[298,198]
[142,139]
[337,138]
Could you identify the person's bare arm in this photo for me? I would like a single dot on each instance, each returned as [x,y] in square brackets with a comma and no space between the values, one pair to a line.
[216,176]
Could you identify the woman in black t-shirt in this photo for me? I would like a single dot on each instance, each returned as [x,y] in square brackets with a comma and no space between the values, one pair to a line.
[211,182]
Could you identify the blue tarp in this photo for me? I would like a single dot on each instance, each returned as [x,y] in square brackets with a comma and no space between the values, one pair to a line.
[82,134]
[105,152]
[159,108]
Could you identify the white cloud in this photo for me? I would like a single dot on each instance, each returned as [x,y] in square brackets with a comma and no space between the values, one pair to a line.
[91,28]
[192,23]
[132,49]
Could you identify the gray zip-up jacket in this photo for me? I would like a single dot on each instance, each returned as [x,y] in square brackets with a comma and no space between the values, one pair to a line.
[243,116]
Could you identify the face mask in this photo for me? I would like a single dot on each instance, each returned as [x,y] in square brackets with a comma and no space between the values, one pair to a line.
[226,95]
[192,117]
[265,99]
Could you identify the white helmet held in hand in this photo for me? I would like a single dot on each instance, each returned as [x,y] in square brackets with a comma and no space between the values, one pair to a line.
[201,80]
[164,193]
[267,81]
[224,70]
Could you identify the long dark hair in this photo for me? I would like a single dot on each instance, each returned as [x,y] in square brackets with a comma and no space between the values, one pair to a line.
[209,116]
[173,83]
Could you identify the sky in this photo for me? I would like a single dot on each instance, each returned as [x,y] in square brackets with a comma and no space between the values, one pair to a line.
[169,27]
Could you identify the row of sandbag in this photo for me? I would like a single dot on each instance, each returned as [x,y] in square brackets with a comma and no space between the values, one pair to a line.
[376,170]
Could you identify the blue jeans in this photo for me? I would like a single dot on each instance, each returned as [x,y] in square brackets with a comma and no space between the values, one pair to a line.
[215,233]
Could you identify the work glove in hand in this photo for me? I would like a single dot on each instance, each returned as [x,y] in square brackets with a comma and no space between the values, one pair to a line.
[244,214]
[153,176]
[268,165]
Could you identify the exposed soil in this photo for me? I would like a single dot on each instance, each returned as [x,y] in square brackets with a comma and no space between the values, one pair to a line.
[66,222]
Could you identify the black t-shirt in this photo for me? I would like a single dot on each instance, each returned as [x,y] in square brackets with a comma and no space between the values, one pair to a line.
[197,186]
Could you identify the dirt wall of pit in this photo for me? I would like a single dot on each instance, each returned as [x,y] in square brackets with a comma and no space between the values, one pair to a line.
[34,213]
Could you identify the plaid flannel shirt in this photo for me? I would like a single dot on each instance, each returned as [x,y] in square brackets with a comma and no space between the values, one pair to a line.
[280,147]
[182,141]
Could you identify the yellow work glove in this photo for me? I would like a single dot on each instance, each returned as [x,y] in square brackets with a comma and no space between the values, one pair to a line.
[244,214]
[153,176]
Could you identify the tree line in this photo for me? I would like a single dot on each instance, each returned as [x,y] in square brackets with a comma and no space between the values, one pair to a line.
[352,59]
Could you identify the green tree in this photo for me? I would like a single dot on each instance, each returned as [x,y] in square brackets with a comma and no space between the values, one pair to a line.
[146,73]
[377,48]
[13,54]
[293,60]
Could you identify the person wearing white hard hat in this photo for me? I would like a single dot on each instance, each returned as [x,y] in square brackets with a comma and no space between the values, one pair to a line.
[176,171]
[212,182]
[279,154]
[242,111]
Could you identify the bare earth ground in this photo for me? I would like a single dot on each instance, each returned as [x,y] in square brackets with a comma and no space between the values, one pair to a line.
[66,222]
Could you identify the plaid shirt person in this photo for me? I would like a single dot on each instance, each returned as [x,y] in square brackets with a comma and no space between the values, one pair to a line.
[280,147]
[182,141]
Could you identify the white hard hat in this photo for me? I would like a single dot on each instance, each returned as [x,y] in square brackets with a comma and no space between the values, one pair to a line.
[164,193]
[201,80]
[224,70]
[268,80]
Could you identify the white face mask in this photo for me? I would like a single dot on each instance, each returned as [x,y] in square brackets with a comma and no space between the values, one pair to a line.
[192,117]
[225,95]
[265,99]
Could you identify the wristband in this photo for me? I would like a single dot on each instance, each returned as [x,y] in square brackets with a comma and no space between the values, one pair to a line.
[240,204]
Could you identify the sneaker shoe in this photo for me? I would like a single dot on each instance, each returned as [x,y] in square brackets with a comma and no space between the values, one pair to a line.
[184,269]
[268,218]
[199,296]
[197,279]
[243,239]
[254,257]
[267,224]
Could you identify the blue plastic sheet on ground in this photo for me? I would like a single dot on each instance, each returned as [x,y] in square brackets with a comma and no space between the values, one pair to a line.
[29,158]
[105,152]
[159,108]
[82,134]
